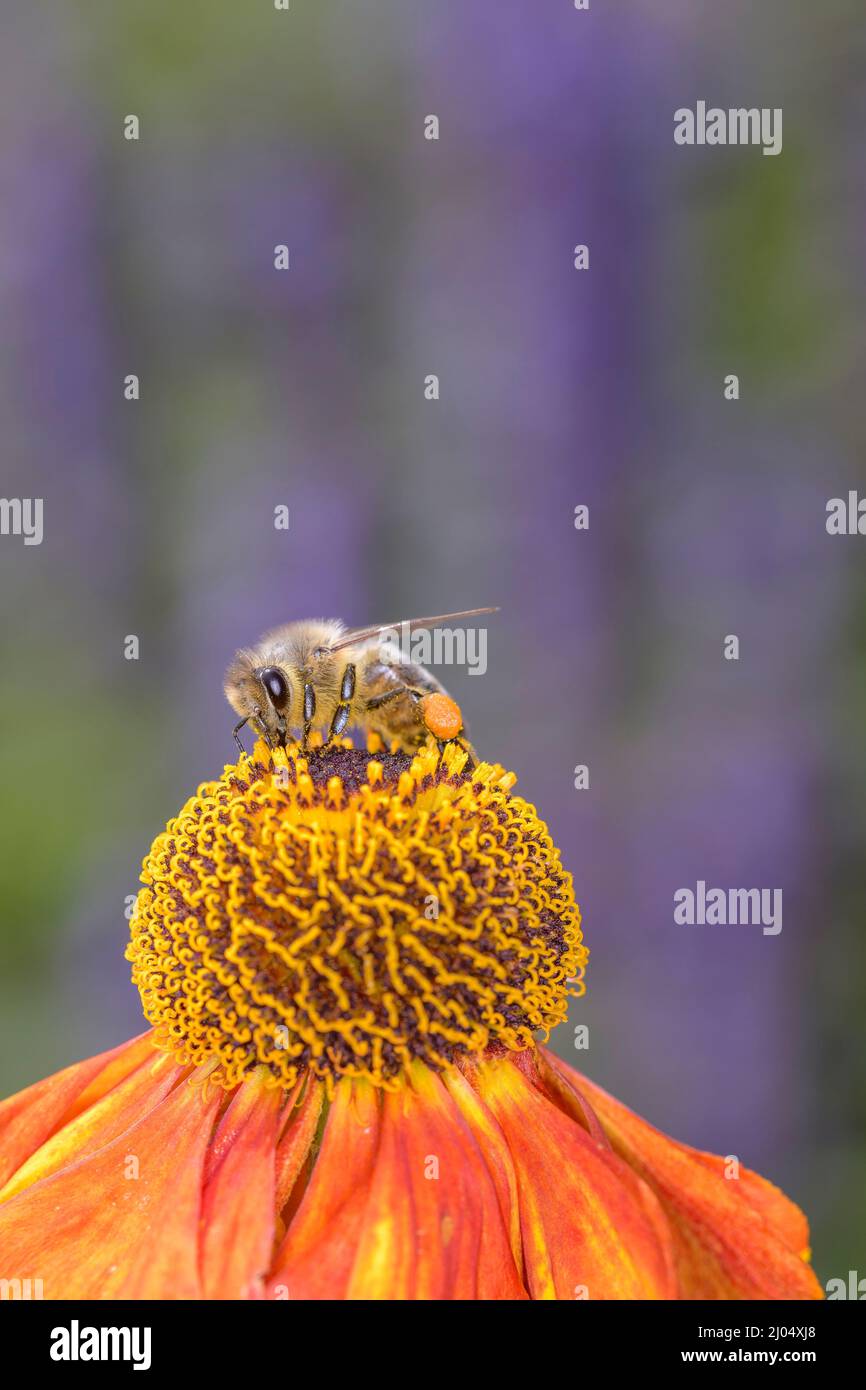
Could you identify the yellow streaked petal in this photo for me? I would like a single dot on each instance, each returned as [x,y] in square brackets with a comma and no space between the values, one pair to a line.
[31,1116]
[122,1222]
[402,1204]
[590,1228]
[734,1237]
[433,1227]
[121,1108]
[316,1257]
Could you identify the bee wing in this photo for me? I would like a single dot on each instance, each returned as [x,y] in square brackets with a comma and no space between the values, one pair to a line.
[368,634]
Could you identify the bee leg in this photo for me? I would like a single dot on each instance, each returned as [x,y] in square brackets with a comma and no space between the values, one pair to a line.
[259,727]
[309,712]
[379,700]
[262,728]
[396,692]
[257,724]
[344,708]
[442,744]
[468,750]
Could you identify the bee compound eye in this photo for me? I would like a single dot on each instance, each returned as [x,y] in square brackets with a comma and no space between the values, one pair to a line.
[276,685]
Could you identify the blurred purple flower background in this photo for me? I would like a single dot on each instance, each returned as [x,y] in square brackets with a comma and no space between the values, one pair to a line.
[558,388]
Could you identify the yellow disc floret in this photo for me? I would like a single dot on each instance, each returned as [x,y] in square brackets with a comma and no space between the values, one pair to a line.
[346,912]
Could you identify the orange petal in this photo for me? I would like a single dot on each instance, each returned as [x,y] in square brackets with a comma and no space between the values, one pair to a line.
[297,1137]
[734,1238]
[316,1257]
[31,1116]
[237,1215]
[95,1230]
[590,1228]
[433,1226]
[121,1108]
[401,1204]
[497,1157]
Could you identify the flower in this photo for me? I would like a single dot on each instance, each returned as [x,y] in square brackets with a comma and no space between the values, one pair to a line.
[345,958]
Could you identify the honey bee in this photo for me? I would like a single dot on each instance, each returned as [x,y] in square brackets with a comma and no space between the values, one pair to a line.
[317,675]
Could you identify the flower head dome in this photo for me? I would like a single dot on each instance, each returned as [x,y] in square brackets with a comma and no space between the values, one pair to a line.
[346,913]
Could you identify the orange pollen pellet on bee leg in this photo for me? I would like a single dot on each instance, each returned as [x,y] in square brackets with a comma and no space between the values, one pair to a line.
[441,715]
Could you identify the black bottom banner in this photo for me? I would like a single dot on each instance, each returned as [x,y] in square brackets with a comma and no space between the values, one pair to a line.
[247,1338]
